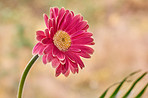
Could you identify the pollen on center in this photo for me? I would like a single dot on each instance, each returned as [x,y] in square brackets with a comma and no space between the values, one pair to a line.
[62,40]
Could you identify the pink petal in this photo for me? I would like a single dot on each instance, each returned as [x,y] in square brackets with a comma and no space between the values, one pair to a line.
[61,56]
[72,70]
[46,41]
[67,73]
[50,23]
[47,33]
[74,49]
[72,13]
[39,38]
[61,26]
[86,41]
[74,67]
[92,43]
[77,33]
[86,27]
[84,54]
[73,64]
[51,13]
[37,48]
[48,49]
[75,58]
[58,70]
[63,21]
[63,61]
[40,35]
[44,59]
[55,51]
[79,26]
[49,57]
[54,12]
[60,17]
[65,67]
[74,22]
[68,20]
[81,18]
[55,62]
[80,36]
[87,49]
[52,32]
[46,20]
[54,26]
[41,50]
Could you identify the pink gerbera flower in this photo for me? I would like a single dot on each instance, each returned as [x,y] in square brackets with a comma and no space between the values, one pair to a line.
[64,41]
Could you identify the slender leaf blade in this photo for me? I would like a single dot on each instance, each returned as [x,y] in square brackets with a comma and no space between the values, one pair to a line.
[133,85]
[103,95]
[105,92]
[117,89]
[142,91]
[114,94]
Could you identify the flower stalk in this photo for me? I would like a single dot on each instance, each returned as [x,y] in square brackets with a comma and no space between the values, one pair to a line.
[24,75]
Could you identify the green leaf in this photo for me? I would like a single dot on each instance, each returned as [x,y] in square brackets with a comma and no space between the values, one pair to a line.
[142,91]
[114,94]
[103,95]
[133,85]
[105,92]
[121,83]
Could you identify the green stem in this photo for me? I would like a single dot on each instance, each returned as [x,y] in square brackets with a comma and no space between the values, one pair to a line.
[24,75]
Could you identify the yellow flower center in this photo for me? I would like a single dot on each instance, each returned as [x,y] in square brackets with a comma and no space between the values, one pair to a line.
[62,40]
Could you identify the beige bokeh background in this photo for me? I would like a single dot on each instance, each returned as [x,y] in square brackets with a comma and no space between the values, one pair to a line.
[120,29]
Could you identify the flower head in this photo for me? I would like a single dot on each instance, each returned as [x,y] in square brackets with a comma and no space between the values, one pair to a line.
[64,41]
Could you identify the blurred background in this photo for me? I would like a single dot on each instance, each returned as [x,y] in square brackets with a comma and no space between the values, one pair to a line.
[120,29]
